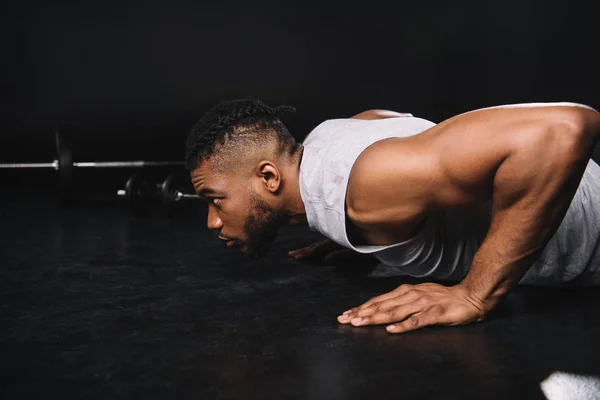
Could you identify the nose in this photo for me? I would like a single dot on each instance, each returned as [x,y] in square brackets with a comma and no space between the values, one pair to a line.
[213,221]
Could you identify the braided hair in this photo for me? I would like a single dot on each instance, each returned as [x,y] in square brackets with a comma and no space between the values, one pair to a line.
[231,126]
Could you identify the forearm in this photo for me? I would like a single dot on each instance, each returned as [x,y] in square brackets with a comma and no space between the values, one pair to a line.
[493,274]
[533,189]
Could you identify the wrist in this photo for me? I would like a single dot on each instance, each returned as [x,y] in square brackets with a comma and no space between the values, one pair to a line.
[482,299]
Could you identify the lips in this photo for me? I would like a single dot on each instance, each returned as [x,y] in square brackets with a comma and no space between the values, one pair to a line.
[231,242]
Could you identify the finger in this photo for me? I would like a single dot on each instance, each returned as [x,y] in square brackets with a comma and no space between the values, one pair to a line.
[386,305]
[400,290]
[415,321]
[344,319]
[314,249]
[303,252]
[296,251]
[405,291]
[390,306]
[391,315]
[301,255]
[353,312]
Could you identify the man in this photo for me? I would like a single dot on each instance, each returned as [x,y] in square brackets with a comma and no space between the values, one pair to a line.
[487,199]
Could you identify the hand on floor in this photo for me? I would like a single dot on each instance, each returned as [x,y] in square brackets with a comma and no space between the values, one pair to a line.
[328,250]
[411,307]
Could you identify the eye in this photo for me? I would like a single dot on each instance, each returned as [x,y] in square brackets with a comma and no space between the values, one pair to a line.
[215,201]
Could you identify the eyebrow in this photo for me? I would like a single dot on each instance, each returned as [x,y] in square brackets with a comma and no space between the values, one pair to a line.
[205,191]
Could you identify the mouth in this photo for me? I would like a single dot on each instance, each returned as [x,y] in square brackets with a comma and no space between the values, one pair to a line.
[233,242]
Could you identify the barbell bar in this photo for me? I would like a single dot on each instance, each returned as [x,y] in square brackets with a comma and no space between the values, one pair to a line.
[94,164]
[64,164]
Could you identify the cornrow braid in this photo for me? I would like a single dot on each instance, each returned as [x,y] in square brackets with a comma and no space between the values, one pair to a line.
[221,121]
[245,109]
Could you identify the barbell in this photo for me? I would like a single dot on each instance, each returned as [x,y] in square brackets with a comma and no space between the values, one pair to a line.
[64,164]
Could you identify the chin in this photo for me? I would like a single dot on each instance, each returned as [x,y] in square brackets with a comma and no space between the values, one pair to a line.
[254,256]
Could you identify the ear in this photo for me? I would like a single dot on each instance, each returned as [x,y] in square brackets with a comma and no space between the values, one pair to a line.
[270,176]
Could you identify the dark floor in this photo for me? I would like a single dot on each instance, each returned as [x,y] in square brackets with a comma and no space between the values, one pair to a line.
[97,304]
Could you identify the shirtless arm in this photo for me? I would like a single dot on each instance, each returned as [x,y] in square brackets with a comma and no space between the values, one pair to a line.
[528,161]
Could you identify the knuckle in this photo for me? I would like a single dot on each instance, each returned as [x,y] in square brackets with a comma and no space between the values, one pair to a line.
[392,311]
[413,321]
[423,300]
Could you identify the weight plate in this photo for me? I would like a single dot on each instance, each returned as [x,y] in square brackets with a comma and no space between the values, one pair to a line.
[174,182]
[141,193]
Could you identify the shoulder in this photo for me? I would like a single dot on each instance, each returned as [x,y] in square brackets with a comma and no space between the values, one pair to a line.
[391,182]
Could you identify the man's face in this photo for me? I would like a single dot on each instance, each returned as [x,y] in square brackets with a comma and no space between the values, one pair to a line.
[236,210]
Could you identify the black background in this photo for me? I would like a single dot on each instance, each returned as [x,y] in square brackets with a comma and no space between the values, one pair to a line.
[99,305]
[132,77]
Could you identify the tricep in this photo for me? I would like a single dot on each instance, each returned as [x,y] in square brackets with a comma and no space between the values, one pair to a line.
[456,162]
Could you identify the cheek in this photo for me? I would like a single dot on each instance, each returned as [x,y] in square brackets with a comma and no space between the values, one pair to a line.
[235,212]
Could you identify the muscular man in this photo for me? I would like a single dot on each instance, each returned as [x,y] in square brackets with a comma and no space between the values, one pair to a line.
[486,199]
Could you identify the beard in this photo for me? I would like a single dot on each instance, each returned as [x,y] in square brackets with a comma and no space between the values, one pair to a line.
[261,227]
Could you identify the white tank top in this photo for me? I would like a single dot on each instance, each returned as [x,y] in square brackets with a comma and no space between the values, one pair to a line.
[447,241]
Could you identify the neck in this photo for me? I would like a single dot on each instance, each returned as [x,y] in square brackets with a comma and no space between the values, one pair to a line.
[294,205]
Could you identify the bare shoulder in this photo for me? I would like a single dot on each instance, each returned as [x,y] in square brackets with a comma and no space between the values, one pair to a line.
[390,183]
